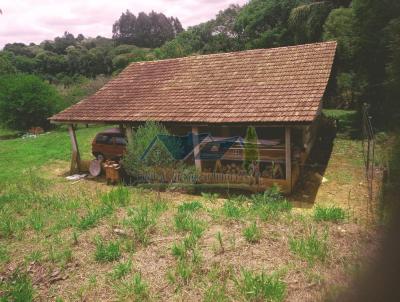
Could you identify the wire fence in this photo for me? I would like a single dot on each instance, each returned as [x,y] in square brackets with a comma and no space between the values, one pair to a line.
[368,147]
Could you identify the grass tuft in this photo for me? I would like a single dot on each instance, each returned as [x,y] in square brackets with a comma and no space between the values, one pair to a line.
[117,197]
[261,287]
[19,288]
[311,247]
[252,233]
[107,252]
[334,214]
[121,270]
[190,206]
[142,221]
[133,290]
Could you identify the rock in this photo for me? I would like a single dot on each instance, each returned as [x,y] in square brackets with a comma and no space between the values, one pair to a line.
[120,232]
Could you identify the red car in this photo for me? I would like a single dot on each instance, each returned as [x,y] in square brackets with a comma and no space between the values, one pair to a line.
[109,144]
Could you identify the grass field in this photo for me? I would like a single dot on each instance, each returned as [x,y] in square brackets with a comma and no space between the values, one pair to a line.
[75,241]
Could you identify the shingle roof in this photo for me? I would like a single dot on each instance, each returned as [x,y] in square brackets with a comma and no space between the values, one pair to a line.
[282,84]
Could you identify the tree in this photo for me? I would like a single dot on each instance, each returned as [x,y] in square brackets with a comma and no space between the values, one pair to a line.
[251,153]
[339,26]
[6,66]
[26,101]
[263,23]
[141,139]
[373,52]
[146,30]
[306,20]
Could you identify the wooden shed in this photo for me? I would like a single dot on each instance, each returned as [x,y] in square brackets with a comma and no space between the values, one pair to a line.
[278,91]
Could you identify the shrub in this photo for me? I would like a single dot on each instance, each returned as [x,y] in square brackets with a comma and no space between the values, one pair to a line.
[26,101]
[252,233]
[261,287]
[310,247]
[142,138]
[251,152]
[107,252]
[335,214]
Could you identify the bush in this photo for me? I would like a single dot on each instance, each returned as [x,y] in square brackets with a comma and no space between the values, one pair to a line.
[26,101]
[141,139]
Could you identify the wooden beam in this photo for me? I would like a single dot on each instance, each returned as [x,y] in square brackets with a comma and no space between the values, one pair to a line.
[75,159]
[288,159]
[196,149]
[129,132]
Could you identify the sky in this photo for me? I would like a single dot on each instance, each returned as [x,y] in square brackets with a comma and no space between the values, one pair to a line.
[37,20]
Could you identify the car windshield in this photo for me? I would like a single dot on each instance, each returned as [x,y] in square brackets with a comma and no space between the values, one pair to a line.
[120,140]
[103,139]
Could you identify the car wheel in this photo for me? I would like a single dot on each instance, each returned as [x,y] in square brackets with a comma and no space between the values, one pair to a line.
[100,157]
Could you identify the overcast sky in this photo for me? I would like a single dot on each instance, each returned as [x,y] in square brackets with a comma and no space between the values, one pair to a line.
[36,20]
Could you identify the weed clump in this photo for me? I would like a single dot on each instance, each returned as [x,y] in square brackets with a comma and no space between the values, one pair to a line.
[19,288]
[134,289]
[107,252]
[252,233]
[311,247]
[261,287]
[334,214]
[117,197]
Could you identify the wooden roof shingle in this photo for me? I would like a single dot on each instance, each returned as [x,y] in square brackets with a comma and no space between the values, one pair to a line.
[282,85]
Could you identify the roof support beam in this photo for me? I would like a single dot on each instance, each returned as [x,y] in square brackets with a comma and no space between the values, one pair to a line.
[75,159]
[196,149]
[288,159]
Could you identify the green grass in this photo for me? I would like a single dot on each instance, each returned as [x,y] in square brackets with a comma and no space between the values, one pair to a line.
[252,233]
[117,197]
[18,289]
[311,247]
[192,206]
[121,269]
[233,211]
[134,289]
[334,214]
[93,216]
[261,287]
[107,251]
[22,154]
[142,220]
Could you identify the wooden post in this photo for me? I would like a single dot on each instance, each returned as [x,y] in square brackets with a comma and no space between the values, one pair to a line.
[196,150]
[288,159]
[129,133]
[75,160]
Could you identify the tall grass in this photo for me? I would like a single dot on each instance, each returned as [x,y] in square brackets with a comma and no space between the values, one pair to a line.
[19,288]
[141,220]
[332,213]
[311,247]
[252,233]
[135,289]
[107,251]
[261,287]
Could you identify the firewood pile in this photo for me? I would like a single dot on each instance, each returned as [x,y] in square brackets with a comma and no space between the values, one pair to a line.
[233,169]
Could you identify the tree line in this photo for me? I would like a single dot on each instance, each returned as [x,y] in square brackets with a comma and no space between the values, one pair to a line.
[366,69]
